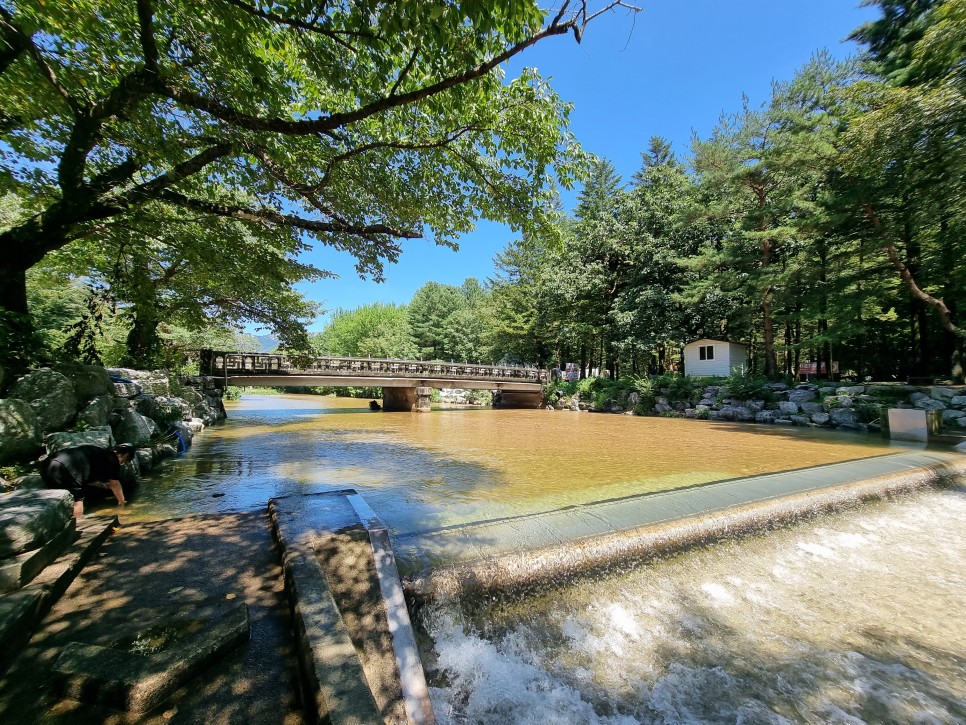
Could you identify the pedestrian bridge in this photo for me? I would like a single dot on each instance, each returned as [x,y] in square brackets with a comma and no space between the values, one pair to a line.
[406,384]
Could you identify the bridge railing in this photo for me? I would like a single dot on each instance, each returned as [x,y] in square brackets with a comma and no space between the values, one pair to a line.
[227,363]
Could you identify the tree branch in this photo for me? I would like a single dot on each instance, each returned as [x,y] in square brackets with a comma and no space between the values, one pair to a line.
[12,41]
[146,33]
[179,172]
[16,41]
[268,216]
[945,315]
[333,121]
[311,27]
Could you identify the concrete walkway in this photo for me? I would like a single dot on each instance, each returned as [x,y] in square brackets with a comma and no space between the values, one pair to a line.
[157,572]
[514,550]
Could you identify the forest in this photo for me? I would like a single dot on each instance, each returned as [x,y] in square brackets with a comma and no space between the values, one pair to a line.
[826,226]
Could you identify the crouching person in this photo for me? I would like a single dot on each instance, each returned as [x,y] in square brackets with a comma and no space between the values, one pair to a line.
[82,468]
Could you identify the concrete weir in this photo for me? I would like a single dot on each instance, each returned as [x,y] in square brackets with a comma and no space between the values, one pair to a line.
[357,649]
[513,552]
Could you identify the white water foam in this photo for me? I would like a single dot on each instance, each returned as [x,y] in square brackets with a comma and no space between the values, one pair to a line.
[853,618]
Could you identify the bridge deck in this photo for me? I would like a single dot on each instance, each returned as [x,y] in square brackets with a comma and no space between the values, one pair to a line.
[287,371]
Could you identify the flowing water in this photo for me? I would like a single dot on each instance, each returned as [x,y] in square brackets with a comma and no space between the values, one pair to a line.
[847,619]
[851,618]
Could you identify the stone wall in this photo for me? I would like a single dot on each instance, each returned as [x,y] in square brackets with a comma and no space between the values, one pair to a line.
[67,405]
[853,407]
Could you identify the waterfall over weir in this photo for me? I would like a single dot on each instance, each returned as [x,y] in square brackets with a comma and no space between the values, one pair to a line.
[851,617]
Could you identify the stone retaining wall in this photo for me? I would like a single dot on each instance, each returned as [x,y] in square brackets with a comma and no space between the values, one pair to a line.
[853,407]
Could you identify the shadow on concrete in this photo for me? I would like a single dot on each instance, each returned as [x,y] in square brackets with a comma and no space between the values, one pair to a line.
[150,573]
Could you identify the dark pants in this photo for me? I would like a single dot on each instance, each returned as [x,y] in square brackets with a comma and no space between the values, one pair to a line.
[57,475]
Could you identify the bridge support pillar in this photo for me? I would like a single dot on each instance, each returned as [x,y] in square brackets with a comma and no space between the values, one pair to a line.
[423,400]
[395,400]
[398,400]
[510,399]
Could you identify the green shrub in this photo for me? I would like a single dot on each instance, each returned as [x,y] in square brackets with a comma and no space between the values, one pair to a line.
[745,387]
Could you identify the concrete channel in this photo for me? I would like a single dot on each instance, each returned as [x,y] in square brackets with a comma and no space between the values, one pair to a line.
[358,654]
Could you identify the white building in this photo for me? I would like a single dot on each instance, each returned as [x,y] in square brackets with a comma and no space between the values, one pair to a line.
[706,358]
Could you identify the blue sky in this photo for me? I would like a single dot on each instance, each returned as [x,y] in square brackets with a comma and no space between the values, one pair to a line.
[670,71]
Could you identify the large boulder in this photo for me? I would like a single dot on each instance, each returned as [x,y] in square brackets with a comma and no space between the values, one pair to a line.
[30,518]
[89,380]
[801,396]
[767,416]
[788,407]
[958,401]
[131,427]
[50,394]
[20,431]
[820,418]
[102,437]
[845,418]
[97,411]
[154,382]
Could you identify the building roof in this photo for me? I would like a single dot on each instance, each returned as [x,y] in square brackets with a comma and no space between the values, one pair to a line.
[712,339]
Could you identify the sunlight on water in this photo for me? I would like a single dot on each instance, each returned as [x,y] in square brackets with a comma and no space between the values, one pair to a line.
[848,619]
[420,471]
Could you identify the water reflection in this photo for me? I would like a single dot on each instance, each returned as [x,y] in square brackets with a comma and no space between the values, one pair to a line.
[424,471]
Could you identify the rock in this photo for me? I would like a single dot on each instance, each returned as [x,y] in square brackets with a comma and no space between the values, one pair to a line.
[97,411]
[90,381]
[820,418]
[30,518]
[844,418]
[183,430]
[165,450]
[777,386]
[633,399]
[766,416]
[925,403]
[851,390]
[827,390]
[197,424]
[30,481]
[127,390]
[756,405]
[169,409]
[890,390]
[841,401]
[145,458]
[812,407]
[662,408]
[132,427]
[744,413]
[783,421]
[788,407]
[102,437]
[958,401]
[801,396]
[131,471]
[150,381]
[50,394]
[691,413]
[952,414]
[20,432]
[146,405]
[799,419]
[944,394]
[961,422]
[119,403]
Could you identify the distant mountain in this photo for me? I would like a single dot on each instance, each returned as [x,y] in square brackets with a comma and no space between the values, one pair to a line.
[267,342]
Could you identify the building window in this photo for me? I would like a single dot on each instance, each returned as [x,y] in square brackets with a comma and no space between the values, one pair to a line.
[706,352]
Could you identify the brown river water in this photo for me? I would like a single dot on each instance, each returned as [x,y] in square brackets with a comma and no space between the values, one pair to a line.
[456,465]
[848,619]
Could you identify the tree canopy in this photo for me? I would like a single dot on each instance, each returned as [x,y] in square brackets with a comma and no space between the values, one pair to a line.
[357,124]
